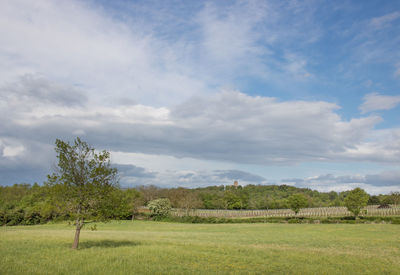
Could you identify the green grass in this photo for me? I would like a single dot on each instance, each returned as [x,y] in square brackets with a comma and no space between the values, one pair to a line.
[145,247]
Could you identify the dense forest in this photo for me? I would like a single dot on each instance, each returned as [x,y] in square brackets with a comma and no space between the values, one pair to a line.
[33,204]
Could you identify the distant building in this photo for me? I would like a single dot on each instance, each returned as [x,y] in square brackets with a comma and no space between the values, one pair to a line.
[236,184]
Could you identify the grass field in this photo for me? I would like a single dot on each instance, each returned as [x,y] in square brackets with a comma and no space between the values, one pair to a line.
[145,247]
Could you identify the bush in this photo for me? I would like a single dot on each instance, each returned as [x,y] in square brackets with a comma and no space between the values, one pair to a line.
[295,221]
[159,208]
[15,216]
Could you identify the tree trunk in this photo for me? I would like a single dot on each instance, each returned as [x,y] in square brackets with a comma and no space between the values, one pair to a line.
[77,233]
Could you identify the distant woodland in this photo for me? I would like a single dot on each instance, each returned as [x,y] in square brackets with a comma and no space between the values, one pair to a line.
[33,204]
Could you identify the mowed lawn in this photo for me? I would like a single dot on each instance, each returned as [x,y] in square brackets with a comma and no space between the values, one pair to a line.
[144,247]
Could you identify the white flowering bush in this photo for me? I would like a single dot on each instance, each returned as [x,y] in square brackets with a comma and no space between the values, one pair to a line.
[159,208]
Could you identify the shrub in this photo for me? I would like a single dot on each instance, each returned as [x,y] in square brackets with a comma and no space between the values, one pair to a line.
[159,208]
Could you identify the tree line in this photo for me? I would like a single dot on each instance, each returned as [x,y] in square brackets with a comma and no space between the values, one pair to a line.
[33,204]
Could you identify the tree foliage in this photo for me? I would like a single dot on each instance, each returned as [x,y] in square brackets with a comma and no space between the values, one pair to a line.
[356,200]
[297,201]
[83,184]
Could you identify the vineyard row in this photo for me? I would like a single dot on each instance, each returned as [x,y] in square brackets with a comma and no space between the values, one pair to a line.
[371,210]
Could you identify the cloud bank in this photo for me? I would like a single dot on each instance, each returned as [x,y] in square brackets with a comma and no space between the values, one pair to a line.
[229,126]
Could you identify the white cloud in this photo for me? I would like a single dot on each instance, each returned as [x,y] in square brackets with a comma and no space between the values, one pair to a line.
[370,45]
[230,37]
[114,58]
[10,148]
[376,102]
[79,44]
[9,151]
[296,66]
[384,20]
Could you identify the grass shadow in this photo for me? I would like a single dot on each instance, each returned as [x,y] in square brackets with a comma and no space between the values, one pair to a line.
[106,244]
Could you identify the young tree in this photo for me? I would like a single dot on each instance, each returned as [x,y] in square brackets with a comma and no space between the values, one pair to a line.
[83,183]
[297,201]
[188,201]
[356,200]
[134,201]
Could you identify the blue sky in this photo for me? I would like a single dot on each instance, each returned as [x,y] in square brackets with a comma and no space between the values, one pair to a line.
[198,93]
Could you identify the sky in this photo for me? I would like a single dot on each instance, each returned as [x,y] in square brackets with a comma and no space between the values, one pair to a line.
[201,93]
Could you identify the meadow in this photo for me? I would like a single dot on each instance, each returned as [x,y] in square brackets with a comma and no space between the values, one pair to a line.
[148,247]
